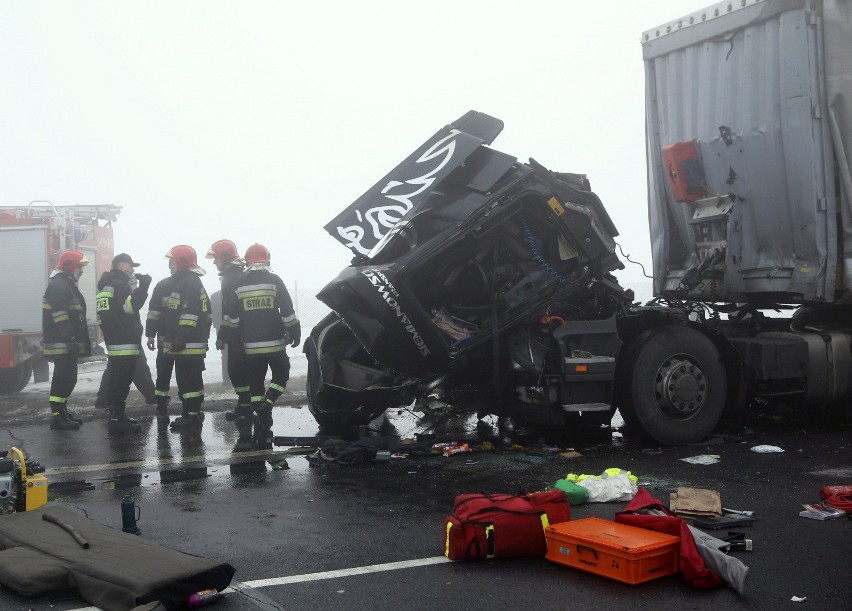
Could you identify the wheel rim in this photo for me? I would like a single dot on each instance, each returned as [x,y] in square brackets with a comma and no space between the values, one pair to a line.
[680,387]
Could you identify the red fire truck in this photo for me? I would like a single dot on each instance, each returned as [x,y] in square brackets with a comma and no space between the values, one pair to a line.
[32,237]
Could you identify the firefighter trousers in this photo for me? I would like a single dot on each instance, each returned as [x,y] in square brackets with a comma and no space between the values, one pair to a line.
[122,370]
[257,365]
[165,365]
[64,378]
[238,372]
[190,383]
[141,379]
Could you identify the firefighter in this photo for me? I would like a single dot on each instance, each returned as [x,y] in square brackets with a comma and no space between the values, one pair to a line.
[165,363]
[142,380]
[66,334]
[267,323]
[121,294]
[185,328]
[227,260]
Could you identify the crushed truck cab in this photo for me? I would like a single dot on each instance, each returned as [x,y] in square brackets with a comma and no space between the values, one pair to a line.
[479,283]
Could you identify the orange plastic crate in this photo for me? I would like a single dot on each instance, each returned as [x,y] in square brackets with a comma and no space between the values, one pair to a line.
[617,551]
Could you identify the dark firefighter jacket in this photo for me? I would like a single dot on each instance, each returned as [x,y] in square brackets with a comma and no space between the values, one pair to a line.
[118,313]
[230,276]
[265,312]
[156,307]
[180,312]
[63,319]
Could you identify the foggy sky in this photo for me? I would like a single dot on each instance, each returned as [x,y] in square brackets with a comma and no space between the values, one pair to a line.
[261,120]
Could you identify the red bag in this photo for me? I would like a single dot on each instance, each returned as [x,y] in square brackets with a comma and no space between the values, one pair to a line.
[839,497]
[691,563]
[502,525]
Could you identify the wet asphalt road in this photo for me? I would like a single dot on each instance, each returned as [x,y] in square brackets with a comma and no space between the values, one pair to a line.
[300,522]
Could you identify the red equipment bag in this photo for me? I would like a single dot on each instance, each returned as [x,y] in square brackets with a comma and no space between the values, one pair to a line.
[502,525]
[692,565]
[839,497]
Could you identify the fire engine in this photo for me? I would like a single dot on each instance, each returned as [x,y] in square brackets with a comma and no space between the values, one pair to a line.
[32,238]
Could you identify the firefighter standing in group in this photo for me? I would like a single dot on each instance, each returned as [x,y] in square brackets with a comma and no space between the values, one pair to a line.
[121,294]
[267,323]
[183,326]
[227,260]
[66,334]
[165,363]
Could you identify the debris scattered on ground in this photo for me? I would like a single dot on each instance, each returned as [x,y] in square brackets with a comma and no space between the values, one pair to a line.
[702,566]
[458,449]
[766,449]
[577,494]
[728,520]
[820,511]
[837,496]
[449,448]
[702,459]
[694,502]
[614,484]
[739,512]
[570,454]
[343,452]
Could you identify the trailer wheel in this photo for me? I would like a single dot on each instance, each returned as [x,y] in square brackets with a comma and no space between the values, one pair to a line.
[677,386]
[16,378]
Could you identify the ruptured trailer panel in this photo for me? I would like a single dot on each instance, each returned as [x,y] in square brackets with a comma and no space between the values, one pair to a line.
[749,134]
[749,129]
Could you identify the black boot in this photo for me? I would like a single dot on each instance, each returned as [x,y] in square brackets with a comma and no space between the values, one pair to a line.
[263,426]
[121,424]
[232,416]
[188,421]
[61,422]
[163,413]
[244,419]
[59,419]
[243,399]
[70,415]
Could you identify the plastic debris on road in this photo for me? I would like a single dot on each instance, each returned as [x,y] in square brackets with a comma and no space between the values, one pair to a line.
[614,484]
[766,449]
[702,459]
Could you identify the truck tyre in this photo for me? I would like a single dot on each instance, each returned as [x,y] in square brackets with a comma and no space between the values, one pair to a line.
[677,386]
[331,422]
[16,378]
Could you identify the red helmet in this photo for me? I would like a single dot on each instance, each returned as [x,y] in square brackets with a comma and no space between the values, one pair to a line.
[69,260]
[223,251]
[183,256]
[257,253]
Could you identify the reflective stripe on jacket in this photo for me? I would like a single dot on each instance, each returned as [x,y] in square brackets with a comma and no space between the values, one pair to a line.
[118,313]
[264,306]
[184,315]
[63,319]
